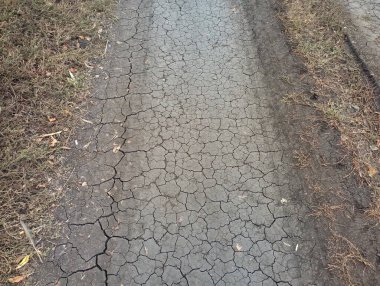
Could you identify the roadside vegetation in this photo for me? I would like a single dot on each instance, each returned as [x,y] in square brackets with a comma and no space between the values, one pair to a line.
[346,100]
[47,49]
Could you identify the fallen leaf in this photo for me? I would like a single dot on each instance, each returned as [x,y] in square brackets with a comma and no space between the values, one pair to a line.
[238,247]
[53,141]
[52,118]
[374,148]
[66,112]
[371,171]
[24,261]
[116,148]
[17,279]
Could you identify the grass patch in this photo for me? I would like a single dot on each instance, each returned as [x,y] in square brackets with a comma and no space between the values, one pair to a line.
[342,92]
[46,49]
[344,258]
[346,100]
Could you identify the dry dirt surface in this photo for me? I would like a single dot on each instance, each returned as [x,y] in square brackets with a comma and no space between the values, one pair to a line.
[183,174]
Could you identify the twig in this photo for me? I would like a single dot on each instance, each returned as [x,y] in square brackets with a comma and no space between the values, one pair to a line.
[87,121]
[49,134]
[29,235]
[105,49]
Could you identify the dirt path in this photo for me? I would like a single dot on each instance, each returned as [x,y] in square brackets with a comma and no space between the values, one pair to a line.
[184,177]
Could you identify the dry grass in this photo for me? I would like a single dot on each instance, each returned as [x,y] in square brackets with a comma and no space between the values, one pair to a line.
[345,258]
[328,211]
[45,50]
[302,159]
[342,92]
[345,99]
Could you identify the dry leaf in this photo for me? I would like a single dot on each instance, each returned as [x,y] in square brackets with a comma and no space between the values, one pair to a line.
[67,112]
[52,118]
[17,279]
[116,148]
[373,148]
[371,171]
[53,141]
[24,261]
[237,247]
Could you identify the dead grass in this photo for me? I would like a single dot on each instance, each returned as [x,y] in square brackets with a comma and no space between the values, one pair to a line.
[346,101]
[328,211]
[45,51]
[343,94]
[302,159]
[345,258]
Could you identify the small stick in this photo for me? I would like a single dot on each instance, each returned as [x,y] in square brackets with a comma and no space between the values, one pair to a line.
[87,121]
[29,235]
[50,134]
[105,49]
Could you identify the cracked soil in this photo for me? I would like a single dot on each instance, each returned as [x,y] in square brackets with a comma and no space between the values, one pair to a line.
[186,175]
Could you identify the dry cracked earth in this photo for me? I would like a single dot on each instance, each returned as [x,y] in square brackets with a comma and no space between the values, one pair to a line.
[184,176]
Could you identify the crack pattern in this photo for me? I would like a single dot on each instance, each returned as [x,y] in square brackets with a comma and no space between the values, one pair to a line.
[184,171]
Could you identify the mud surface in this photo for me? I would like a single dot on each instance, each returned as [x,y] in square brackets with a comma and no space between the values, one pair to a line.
[185,176]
